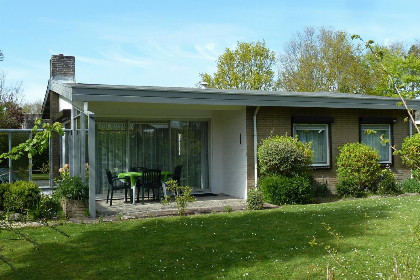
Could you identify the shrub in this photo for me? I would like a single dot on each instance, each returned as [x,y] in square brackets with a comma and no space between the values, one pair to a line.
[254,200]
[182,196]
[410,186]
[72,188]
[284,155]
[388,183]
[358,170]
[280,189]
[47,208]
[320,189]
[410,154]
[21,196]
[3,189]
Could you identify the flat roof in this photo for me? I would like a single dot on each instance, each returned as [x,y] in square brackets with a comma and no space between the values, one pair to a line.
[79,92]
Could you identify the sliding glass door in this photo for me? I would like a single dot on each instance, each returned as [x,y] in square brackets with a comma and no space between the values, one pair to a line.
[163,145]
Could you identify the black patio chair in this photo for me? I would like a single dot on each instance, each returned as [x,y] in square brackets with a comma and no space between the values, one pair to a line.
[177,174]
[151,180]
[115,184]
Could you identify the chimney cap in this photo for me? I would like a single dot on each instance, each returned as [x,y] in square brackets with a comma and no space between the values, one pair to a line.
[204,85]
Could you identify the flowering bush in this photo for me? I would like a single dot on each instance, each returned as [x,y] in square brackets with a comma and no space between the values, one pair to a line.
[65,172]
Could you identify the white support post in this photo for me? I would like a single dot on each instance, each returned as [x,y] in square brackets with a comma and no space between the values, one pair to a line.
[71,142]
[10,160]
[30,161]
[50,159]
[92,164]
[82,146]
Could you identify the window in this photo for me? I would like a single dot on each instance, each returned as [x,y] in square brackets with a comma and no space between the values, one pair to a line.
[317,134]
[373,140]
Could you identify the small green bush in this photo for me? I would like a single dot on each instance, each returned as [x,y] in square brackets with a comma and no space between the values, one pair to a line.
[388,183]
[3,189]
[21,196]
[284,155]
[182,196]
[358,170]
[410,154]
[254,200]
[72,188]
[410,186]
[47,208]
[320,189]
[280,189]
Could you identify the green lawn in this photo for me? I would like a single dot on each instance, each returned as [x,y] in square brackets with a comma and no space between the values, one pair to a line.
[269,244]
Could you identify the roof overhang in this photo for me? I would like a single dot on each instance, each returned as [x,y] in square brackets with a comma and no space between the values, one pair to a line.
[76,92]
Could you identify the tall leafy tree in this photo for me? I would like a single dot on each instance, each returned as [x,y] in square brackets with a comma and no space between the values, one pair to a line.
[248,67]
[402,65]
[323,60]
[11,115]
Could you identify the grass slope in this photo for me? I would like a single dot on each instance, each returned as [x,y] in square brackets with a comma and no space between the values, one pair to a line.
[269,244]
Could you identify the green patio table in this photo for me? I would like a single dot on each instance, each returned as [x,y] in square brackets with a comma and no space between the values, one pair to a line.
[133,178]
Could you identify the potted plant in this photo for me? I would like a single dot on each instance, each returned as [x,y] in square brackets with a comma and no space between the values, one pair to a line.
[73,195]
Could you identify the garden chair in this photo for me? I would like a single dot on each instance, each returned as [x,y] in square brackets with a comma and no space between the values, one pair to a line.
[150,180]
[177,174]
[115,184]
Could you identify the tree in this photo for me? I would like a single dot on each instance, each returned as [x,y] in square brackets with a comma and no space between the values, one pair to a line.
[248,67]
[1,56]
[323,60]
[11,115]
[34,107]
[402,65]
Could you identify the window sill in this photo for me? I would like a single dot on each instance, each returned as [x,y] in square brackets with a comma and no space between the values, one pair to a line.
[321,167]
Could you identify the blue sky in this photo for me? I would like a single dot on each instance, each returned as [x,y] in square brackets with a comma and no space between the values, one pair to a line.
[168,43]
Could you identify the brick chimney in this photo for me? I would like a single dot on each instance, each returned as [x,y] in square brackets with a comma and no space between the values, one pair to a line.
[62,68]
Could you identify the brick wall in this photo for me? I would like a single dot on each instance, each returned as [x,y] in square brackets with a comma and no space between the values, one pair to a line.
[344,129]
[54,108]
[62,66]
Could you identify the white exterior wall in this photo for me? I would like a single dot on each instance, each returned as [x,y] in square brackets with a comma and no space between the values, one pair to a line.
[63,104]
[228,153]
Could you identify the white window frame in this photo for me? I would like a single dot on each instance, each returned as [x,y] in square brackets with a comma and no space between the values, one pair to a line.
[302,126]
[374,127]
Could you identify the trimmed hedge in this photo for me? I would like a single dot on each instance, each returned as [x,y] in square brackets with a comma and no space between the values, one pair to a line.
[358,170]
[20,196]
[284,155]
[281,189]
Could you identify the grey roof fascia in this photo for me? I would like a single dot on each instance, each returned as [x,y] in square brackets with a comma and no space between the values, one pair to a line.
[173,95]
[63,89]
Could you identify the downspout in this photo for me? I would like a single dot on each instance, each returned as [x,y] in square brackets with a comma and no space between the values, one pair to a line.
[410,133]
[255,146]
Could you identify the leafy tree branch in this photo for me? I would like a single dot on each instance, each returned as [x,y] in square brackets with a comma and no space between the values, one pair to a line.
[37,144]
[379,56]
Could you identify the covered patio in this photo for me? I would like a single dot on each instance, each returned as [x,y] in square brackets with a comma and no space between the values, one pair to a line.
[118,128]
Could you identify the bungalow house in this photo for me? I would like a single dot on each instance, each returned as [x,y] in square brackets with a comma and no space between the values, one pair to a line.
[212,133]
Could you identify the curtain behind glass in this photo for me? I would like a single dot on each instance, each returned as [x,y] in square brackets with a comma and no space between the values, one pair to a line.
[374,141]
[149,146]
[318,137]
[111,139]
[189,148]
